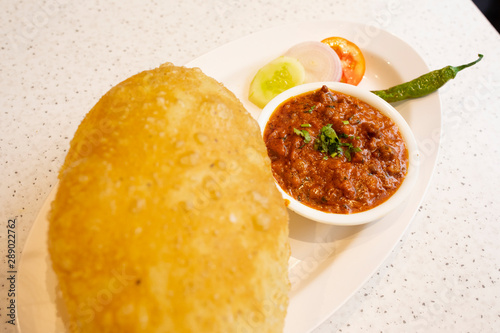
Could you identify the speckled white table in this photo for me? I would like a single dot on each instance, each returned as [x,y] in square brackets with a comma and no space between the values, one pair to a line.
[59,56]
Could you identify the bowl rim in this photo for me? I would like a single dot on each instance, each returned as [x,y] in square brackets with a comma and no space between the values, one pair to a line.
[385,108]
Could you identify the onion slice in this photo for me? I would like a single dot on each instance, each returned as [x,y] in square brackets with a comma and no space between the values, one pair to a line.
[320,61]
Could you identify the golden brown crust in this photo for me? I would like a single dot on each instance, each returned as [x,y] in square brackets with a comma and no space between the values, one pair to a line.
[167,218]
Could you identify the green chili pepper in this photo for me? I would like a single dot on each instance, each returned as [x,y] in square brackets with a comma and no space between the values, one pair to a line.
[422,85]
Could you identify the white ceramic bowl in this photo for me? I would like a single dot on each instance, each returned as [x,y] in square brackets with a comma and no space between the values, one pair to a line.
[387,206]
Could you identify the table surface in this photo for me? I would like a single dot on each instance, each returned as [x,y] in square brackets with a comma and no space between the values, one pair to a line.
[59,56]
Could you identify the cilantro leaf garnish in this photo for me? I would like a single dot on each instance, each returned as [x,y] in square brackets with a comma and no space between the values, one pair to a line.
[311,109]
[303,133]
[328,142]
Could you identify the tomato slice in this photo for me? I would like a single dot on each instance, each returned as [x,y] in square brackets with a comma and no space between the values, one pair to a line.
[353,61]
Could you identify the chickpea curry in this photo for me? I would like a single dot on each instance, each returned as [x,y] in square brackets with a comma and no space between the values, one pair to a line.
[335,153]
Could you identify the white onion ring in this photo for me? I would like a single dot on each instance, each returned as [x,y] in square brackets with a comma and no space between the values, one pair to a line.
[320,61]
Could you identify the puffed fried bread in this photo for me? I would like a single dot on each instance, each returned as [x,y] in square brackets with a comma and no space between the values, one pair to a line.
[167,218]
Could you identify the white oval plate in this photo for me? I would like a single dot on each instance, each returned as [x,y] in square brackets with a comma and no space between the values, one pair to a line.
[329,263]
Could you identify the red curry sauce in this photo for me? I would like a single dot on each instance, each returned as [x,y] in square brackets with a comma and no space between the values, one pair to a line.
[366,175]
